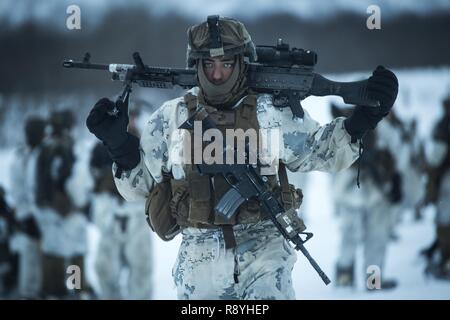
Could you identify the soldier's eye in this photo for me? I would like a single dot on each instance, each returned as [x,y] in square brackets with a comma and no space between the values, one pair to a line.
[228,65]
[207,65]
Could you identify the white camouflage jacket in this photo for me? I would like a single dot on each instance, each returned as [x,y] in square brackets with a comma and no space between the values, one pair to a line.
[304,145]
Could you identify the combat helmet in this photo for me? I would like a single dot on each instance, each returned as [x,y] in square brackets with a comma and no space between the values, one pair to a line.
[35,130]
[219,36]
[61,121]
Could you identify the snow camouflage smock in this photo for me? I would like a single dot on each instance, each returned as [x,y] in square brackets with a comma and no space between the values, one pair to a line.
[260,265]
[304,145]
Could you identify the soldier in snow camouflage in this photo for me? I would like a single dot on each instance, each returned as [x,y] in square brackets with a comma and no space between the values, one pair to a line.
[244,257]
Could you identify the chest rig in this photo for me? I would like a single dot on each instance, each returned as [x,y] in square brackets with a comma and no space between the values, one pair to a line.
[193,199]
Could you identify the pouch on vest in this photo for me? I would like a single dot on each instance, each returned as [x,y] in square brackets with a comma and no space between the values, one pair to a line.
[179,204]
[290,197]
[200,198]
[158,211]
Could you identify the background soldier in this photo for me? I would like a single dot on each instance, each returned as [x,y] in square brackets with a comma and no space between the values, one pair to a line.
[365,213]
[64,240]
[402,140]
[125,247]
[23,190]
[9,260]
[438,193]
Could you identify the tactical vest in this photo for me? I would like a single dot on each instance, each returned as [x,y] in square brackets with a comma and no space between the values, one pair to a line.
[50,190]
[194,198]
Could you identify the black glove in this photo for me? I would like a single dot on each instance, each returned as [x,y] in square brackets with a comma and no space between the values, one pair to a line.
[381,86]
[396,195]
[122,146]
[31,228]
[111,130]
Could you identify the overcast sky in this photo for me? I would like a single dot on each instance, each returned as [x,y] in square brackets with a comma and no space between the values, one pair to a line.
[17,11]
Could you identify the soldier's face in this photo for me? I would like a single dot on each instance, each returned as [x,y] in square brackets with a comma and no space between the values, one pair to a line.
[218,70]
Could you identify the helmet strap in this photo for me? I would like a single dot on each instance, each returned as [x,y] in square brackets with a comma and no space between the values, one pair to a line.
[216,47]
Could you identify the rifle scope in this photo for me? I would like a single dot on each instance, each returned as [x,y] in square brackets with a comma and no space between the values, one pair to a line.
[281,56]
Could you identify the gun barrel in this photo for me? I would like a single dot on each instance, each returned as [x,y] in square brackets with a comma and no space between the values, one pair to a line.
[314,264]
[83,65]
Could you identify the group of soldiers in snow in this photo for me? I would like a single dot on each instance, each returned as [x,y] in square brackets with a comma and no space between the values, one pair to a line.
[398,176]
[44,231]
[385,168]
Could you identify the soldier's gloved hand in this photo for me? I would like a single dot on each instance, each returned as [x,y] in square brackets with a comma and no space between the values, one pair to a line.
[123,147]
[111,130]
[31,228]
[395,194]
[381,86]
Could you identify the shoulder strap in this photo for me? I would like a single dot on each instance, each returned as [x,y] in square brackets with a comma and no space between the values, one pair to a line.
[191,102]
[286,195]
[282,175]
[248,109]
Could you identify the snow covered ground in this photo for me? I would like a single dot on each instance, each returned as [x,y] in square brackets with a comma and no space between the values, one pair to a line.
[421,95]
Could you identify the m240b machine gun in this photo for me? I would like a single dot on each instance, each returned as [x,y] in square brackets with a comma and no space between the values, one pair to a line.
[287,74]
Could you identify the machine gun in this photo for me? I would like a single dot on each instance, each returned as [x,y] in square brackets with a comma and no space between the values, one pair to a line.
[246,183]
[287,74]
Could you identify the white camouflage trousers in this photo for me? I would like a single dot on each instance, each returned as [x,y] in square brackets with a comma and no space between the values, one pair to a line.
[30,265]
[368,226]
[259,267]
